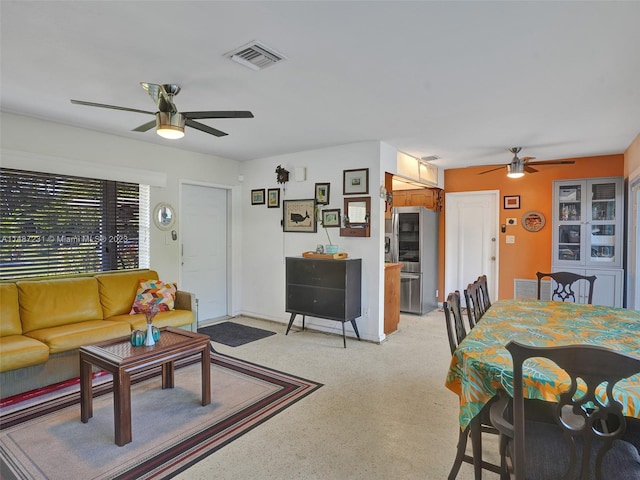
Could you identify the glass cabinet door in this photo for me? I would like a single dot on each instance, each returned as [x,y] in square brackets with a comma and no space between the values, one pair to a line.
[587,215]
[603,218]
[569,226]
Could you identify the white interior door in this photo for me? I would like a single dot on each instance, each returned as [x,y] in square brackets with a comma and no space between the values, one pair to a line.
[471,240]
[204,248]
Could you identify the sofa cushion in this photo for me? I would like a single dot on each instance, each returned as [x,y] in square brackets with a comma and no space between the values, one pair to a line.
[68,337]
[9,310]
[118,290]
[19,351]
[173,318]
[51,303]
[154,293]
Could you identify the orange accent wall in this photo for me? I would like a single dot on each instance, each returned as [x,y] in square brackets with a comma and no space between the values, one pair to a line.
[632,157]
[532,250]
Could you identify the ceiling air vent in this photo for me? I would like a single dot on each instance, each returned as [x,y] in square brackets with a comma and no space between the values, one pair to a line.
[255,56]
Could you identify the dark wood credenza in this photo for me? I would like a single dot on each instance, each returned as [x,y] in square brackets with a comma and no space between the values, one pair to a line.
[324,288]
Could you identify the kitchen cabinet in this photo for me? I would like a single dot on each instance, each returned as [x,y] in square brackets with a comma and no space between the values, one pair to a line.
[391,297]
[587,234]
[324,288]
[430,198]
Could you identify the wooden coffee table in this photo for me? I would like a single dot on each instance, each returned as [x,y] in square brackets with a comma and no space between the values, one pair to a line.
[121,359]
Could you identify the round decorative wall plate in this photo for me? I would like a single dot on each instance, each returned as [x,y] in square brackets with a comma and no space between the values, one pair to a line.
[533,221]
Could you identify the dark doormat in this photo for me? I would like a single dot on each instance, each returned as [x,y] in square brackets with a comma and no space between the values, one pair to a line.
[234,334]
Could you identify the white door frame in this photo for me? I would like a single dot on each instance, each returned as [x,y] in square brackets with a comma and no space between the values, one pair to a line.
[229,191]
[449,265]
[633,258]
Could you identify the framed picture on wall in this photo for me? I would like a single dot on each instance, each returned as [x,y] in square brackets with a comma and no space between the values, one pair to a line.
[511,202]
[257,197]
[322,193]
[299,215]
[273,198]
[355,182]
[331,218]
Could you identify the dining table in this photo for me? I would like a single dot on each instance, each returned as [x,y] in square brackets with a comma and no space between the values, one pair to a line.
[481,365]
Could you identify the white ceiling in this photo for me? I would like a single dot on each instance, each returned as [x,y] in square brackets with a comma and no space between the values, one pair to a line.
[461,80]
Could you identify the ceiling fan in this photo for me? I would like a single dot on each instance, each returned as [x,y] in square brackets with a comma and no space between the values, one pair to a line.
[169,122]
[518,166]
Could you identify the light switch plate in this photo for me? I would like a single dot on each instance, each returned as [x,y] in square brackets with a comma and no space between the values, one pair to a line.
[512,221]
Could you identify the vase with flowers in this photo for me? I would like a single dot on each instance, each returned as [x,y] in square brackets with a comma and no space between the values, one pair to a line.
[331,248]
[150,312]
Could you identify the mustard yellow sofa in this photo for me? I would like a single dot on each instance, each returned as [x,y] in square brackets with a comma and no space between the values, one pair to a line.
[44,322]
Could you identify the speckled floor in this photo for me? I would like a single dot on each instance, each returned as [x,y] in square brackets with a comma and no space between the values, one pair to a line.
[383,412]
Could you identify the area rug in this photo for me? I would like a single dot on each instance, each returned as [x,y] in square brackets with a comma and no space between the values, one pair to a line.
[234,334]
[171,429]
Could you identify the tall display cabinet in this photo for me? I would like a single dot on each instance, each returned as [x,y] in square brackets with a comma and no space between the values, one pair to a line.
[587,234]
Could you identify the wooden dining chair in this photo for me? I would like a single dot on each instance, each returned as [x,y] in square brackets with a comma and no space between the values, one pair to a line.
[453,317]
[472,299]
[564,282]
[484,292]
[481,424]
[576,445]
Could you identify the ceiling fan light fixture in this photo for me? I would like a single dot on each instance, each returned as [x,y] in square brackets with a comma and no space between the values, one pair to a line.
[515,170]
[170,125]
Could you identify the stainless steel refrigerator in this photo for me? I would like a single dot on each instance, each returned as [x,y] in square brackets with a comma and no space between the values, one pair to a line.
[412,239]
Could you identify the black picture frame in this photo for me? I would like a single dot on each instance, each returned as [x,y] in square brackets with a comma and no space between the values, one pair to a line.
[355,182]
[257,196]
[322,193]
[273,198]
[299,215]
[331,218]
[511,202]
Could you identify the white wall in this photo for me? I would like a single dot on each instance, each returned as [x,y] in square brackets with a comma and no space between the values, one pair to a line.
[33,144]
[265,245]
[258,245]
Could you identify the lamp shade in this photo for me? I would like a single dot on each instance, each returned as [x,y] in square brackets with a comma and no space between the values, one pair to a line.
[515,169]
[170,125]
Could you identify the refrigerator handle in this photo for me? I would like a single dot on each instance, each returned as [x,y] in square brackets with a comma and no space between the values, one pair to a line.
[394,238]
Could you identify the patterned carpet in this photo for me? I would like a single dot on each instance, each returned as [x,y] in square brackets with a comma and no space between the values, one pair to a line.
[44,438]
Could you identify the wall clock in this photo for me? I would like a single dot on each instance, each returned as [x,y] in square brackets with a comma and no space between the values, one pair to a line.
[282,175]
[533,221]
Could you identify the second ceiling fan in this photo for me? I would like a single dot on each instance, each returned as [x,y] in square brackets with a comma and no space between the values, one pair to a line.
[519,166]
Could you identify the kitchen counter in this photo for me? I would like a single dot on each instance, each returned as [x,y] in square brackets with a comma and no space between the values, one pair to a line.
[391,296]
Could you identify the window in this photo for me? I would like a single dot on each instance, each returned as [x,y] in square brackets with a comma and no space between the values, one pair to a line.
[56,224]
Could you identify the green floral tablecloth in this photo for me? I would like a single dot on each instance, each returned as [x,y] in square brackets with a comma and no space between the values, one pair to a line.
[481,365]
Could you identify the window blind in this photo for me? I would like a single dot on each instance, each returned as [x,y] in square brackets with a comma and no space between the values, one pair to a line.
[57,224]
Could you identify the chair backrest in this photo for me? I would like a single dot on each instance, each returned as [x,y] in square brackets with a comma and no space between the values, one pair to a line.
[593,365]
[474,308]
[564,285]
[484,292]
[453,318]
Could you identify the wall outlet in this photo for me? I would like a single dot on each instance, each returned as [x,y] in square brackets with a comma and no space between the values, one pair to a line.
[511,239]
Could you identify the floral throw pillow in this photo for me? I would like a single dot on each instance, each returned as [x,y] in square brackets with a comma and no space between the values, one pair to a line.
[154,292]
